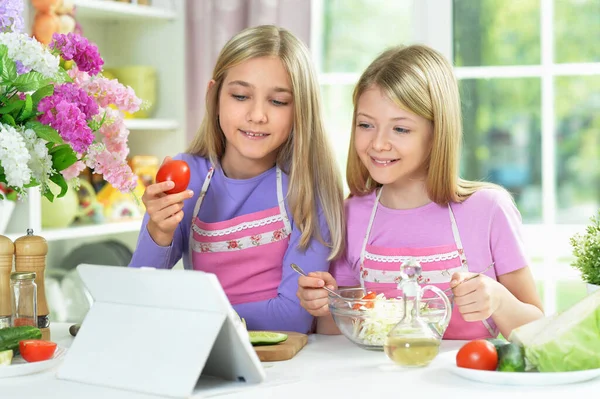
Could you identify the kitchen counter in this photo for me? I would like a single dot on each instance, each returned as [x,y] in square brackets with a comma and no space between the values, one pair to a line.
[329,366]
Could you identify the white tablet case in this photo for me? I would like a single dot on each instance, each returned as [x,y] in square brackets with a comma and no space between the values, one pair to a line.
[156,331]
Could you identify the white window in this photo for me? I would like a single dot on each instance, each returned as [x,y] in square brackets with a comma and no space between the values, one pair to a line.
[529,75]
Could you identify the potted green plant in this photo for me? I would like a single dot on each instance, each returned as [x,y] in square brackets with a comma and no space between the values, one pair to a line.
[586,249]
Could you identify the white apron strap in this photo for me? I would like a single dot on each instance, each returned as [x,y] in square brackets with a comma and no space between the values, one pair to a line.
[367,233]
[463,260]
[457,240]
[280,200]
[203,191]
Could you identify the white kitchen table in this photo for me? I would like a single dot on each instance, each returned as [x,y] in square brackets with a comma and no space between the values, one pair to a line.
[327,367]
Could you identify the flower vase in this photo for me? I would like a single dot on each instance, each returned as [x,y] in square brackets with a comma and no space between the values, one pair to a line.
[6,209]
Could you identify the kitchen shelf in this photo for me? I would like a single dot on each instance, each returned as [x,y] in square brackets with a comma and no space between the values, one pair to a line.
[108,10]
[91,230]
[151,124]
[126,35]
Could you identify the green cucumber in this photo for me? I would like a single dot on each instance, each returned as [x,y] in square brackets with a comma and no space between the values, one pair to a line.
[258,338]
[511,357]
[497,342]
[11,336]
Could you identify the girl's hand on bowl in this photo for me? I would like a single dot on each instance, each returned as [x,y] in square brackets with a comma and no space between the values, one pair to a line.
[312,296]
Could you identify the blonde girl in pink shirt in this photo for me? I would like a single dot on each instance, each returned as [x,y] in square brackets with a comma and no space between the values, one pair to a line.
[407,201]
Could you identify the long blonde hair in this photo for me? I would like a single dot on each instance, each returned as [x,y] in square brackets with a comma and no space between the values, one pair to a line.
[307,157]
[419,80]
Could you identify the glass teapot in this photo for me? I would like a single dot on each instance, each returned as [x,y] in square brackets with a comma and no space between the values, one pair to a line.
[415,340]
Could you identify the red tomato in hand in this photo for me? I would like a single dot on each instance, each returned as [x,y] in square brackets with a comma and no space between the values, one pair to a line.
[176,171]
[36,350]
[479,355]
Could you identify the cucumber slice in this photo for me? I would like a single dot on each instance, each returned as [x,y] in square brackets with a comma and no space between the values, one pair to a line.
[266,337]
[6,357]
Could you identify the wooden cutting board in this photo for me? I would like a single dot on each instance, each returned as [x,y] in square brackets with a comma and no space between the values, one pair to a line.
[283,350]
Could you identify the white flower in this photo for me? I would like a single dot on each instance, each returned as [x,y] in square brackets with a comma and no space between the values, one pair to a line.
[40,162]
[31,53]
[14,157]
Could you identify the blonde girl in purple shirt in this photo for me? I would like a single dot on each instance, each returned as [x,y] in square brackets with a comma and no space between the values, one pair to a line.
[264,190]
[407,201]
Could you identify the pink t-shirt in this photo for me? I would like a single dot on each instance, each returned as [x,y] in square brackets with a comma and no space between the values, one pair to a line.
[489,226]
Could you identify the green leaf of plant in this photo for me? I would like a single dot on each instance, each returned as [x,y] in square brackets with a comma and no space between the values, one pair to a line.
[45,132]
[94,125]
[8,68]
[9,120]
[14,105]
[32,183]
[48,194]
[42,92]
[27,111]
[63,156]
[59,179]
[62,76]
[30,81]
[586,251]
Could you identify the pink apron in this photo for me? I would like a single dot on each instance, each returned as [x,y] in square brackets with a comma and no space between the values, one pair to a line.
[380,272]
[246,252]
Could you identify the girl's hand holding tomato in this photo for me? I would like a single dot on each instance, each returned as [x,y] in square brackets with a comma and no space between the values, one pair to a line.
[176,171]
[164,200]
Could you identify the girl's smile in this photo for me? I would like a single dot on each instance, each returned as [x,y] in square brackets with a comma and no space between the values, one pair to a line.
[254,135]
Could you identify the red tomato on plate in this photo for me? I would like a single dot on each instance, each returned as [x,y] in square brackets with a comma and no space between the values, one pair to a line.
[36,350]
[176,171]
[478,354]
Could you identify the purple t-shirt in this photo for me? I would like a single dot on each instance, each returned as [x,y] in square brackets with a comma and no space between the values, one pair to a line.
[226,199]
[488,223]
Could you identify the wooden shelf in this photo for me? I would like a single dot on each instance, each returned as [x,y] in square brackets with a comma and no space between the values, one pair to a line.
[151,124]
[109,10]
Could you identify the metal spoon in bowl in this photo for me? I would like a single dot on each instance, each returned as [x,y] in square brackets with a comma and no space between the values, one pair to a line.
[298,270]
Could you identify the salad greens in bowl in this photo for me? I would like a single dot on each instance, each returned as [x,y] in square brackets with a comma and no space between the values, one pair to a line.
[366,318]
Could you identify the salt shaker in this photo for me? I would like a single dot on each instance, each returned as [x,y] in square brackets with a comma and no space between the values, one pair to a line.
[30,256]
[24,299]
[7,250]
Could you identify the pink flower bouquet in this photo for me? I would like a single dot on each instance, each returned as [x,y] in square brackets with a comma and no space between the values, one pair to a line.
[58,114]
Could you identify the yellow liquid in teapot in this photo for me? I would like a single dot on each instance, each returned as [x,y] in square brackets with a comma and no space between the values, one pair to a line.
[411,352]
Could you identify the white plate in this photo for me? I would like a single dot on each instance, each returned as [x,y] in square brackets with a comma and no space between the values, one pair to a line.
[20,367]
[448,360]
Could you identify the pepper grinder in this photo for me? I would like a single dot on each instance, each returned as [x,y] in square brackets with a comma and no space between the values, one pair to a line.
[7,250]
[30,256]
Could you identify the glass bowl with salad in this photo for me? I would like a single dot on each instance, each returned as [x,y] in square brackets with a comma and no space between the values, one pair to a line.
[366,317]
